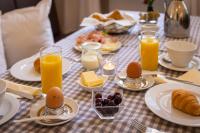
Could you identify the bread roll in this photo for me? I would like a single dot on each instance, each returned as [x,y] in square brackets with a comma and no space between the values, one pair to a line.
[37,65]
[116,15]
[185,101]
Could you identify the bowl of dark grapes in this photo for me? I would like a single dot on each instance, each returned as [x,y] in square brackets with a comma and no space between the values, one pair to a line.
[107,103]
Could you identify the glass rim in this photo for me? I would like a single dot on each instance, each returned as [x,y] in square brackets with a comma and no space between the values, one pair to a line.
[153,34]
[148,31]
[95,45]
[42,49]
[45,47]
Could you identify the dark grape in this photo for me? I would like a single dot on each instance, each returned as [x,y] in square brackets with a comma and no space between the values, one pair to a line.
[105,102]
[111,103]
[98,104]
[98,100]
[117,94]
[117,100]
[98,95]
[111,97]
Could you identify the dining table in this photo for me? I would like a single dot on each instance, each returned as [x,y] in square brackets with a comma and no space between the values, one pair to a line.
[134,102]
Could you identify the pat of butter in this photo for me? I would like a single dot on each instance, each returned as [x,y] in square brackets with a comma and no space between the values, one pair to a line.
[90,79]
[23,90]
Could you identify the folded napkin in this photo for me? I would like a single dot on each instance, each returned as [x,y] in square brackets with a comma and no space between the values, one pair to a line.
[28,92]
[191,76]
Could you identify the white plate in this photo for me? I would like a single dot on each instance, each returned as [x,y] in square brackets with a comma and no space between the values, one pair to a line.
[194,63]
[24,69]
[10,106]
[158,100]
[39,105]
[119,45]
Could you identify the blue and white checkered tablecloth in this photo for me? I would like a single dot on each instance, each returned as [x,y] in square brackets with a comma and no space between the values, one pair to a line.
[87,120]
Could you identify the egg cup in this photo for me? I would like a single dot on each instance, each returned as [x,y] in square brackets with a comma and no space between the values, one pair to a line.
[134,83]
[57,111]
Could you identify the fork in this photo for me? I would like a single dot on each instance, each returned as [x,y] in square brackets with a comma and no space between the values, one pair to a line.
[142,128]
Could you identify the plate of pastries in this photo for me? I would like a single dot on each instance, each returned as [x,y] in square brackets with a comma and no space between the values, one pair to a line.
[176,102]
[114,22]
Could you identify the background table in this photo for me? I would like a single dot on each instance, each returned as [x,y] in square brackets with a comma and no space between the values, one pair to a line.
[87,120]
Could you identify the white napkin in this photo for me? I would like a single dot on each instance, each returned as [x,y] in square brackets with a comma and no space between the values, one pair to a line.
[191,76]
[28,92]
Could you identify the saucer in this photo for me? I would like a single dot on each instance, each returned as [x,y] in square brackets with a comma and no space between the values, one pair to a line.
[194,63]
[38,109]
[9,107]
[146,81]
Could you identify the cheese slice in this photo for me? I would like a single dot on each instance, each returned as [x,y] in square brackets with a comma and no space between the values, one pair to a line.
[90,79]
[23,90]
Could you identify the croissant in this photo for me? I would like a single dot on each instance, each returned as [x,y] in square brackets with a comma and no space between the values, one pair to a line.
[185,101]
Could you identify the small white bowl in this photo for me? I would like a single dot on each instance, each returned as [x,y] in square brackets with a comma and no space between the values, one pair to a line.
[180,52]
[90,89]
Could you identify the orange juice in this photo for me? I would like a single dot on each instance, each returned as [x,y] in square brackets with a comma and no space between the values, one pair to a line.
[51,71]
[149,53]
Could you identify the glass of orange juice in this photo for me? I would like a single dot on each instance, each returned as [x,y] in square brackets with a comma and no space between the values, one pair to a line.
[149,46]
[51,67]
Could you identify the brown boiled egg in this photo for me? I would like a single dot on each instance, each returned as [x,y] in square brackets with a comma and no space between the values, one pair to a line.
[134,70]
[54,98]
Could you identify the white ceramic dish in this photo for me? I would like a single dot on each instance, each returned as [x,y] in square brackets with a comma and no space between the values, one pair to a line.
[158,100]
[10,106]
[194,63]
[119,45]
[23,70]
[39,105]
[90,89]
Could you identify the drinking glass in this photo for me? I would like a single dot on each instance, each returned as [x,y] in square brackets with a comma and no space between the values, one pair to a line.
[51,67]
[149,46]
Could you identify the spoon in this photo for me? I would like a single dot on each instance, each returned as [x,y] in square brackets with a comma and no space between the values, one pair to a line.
[73,59]
[167,59]
[47,117]
[122,75]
